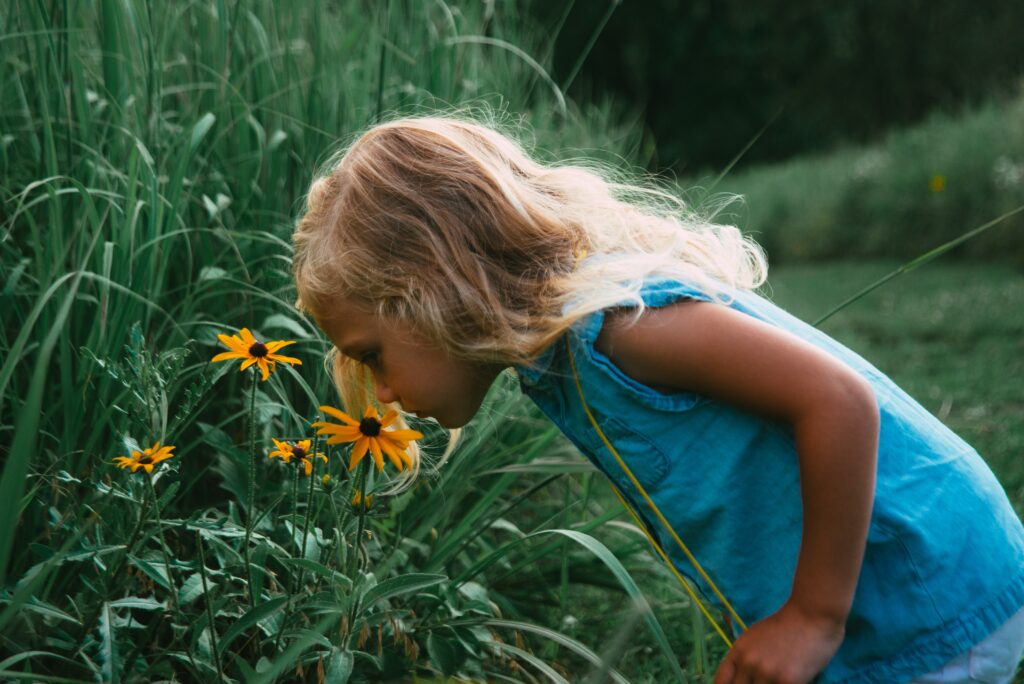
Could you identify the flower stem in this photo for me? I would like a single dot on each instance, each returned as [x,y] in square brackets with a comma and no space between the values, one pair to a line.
[309,498]
[360,513]
[295,494]
[163,543]
[134,538]
[209,606]
[250,514]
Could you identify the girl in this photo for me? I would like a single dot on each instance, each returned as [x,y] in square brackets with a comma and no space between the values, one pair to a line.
[845,528]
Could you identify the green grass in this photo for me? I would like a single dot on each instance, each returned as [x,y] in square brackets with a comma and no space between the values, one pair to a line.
[153,157]
[879,200]
[950,334]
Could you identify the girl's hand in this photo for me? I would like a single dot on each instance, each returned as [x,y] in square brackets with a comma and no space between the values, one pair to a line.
[789,647]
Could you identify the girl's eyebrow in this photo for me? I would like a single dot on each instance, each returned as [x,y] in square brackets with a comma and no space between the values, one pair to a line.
[355,349]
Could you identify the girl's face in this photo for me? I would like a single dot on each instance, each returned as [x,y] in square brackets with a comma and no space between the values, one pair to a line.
[407,368]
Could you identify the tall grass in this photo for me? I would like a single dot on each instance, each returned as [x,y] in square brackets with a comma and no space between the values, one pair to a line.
[153,157]
[897,198]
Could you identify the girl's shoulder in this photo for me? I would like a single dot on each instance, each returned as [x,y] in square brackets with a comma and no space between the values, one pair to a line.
[719,352]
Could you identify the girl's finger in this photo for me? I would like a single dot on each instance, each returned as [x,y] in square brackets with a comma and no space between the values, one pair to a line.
[726,672]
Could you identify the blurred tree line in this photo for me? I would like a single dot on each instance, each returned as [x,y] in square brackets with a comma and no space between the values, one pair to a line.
[710,74]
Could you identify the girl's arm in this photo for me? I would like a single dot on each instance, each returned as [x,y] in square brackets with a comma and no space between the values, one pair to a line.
[714,351]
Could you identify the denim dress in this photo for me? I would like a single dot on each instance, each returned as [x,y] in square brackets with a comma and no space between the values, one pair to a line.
[944,562]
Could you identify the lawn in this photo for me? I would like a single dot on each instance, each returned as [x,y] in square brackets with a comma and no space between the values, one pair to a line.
[951,334]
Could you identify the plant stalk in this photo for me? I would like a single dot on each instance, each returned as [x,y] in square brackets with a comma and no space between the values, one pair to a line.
[250,514]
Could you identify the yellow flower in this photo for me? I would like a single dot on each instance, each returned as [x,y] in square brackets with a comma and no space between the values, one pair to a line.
[298,452]
[369,435]
[937,183]
[145,459]
[247,347]
[358,498]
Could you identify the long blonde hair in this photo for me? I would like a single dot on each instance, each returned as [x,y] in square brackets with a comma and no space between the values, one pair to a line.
[447,224]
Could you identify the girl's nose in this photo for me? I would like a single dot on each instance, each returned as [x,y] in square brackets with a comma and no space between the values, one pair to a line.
[385,394]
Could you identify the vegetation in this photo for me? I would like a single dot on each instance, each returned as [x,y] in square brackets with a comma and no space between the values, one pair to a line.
[710,75]
[153,158]
[896,198]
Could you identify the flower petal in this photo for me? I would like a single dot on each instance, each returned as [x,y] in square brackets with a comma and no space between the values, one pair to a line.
[304,444]
[285,359]
[340,415]
[371,412]
[392,454]
[358,451]
[262,363]
[344,433]
[247,337]
[378,457]
[308,466]
[278,344]
[403,435]
[227,356]
[248,362]
[389,418]
[233,343]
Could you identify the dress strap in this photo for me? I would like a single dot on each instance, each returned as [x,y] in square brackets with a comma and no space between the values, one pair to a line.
[661,519]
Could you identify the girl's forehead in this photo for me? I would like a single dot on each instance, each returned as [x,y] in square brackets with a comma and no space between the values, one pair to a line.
[355,326]
[347,322]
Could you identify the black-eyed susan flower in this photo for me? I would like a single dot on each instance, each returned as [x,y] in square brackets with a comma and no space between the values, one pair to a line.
[370,436]
[252,351]
[297,452]
[365,501]
[145,459]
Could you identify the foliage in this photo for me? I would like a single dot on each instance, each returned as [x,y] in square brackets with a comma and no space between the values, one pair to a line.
[710,73]
[154,156]
[897,198]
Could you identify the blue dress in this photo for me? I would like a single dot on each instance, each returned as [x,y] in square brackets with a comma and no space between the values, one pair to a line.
[944,562]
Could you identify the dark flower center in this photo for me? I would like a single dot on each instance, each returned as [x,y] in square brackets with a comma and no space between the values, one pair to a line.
[146,459]
[259,350]
[298,452]
[369,427]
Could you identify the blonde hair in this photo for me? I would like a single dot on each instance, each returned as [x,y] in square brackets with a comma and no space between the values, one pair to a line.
[447,224]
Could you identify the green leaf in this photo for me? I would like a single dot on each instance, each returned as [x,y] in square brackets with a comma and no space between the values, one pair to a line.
[191,589]
[200,130]
[157,573]
[43,608]
[403,584]
[618,571]
[558,638]
[290,654]
[250,619]
[108,646]
[319,569]
[544,668]
[282,322]
[339,666]
[445,651]
[139,603]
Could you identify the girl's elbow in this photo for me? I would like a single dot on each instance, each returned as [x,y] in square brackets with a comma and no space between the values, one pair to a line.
[858,398]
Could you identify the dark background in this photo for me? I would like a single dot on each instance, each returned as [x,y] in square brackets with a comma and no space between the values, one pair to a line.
[710,74]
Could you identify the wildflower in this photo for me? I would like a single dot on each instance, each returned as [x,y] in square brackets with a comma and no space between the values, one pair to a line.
[298,452]
[937,183]
[326,481]
[247,347]
[358,499]
[369,435]
[146,458]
